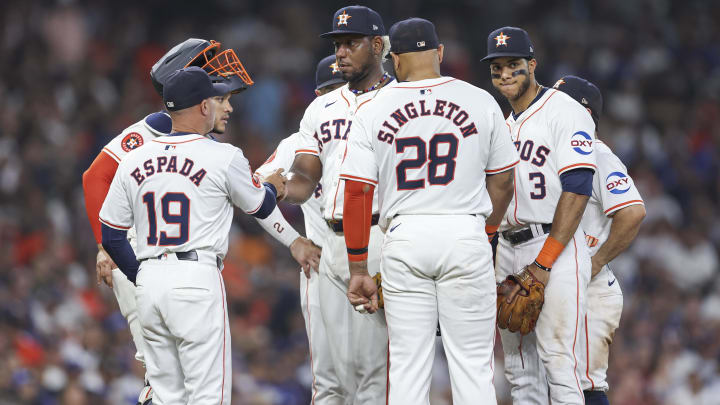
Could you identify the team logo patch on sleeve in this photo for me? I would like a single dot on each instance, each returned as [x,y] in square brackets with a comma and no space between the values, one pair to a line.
[617,183]
[581,143]
[131,141]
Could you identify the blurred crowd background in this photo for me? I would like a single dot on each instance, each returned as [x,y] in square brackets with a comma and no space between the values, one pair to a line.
[74,73]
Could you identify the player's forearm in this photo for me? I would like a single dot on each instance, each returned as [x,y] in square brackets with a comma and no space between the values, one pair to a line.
[277,226]
[500,190]
[299,188]
[623,229]
[302,178]
[359,268]
[568,214]
[116,245]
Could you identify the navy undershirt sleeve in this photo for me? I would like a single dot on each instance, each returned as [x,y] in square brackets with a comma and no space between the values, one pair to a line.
[115,243]
[578,181]
[268,204]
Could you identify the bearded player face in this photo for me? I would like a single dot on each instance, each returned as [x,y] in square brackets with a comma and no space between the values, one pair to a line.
[355,56]
[511,76]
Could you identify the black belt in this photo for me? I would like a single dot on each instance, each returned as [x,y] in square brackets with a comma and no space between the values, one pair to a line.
[190,255]
[521,235]
[337,224]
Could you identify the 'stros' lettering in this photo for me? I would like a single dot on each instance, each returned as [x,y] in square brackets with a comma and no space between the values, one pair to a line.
[181,219]
[436,159]
[537,157]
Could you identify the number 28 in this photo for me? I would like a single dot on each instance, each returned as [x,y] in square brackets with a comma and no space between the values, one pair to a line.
[436,160]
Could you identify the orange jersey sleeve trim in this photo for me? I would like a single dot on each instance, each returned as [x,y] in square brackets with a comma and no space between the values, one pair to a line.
[112,154]
[307,151]
[576,166]
[111,225]
[358,178]
[502,169]
[357,218]
[96,183]
[626,203]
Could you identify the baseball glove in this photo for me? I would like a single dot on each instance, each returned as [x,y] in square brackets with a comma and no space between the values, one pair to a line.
[522,312]
[378,280]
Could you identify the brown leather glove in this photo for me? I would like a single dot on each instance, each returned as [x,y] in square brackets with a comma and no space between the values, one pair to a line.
[523,310]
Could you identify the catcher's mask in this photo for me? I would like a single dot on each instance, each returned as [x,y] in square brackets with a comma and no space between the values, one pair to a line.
[227,66]
[220,66]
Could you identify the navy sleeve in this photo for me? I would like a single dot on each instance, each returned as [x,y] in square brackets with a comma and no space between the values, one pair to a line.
[268,204]
[578,181]
[115,243]
[160,122]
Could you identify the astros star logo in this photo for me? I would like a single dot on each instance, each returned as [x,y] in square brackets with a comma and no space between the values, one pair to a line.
[501,40]
[334,67]
[343,18]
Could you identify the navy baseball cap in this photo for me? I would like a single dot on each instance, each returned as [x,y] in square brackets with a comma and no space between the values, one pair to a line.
[509,41]
[584,93]
[189,86]
[356,20]
[413,35]
[327,73]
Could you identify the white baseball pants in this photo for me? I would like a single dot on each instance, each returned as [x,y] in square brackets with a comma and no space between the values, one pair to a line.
[439,267]
[183,313]
[550,358]
[125,294]
[604,308]
[326,388]
[358,342]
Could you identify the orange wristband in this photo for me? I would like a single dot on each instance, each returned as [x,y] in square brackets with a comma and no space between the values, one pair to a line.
[491,229]
[550,252]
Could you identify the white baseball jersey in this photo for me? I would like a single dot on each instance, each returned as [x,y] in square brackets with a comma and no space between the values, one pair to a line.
[282,158]
[613,189]
[427,145]
[324,132]
[132,137]
[178,193]
[554,135]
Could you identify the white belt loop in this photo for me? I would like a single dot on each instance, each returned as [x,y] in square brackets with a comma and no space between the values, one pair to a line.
[533,230]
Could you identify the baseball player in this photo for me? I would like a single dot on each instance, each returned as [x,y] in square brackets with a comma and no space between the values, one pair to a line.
[178,193]
[610,222]
[540,242]
[97,179]
[429,143]
[357,342]
[326,388]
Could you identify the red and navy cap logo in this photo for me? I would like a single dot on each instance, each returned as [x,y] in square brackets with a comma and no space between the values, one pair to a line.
[131,141]
[343,18]
[501,39]
[334,68]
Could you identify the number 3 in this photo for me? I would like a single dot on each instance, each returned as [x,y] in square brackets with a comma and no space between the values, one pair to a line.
[182,219]
[540,185]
